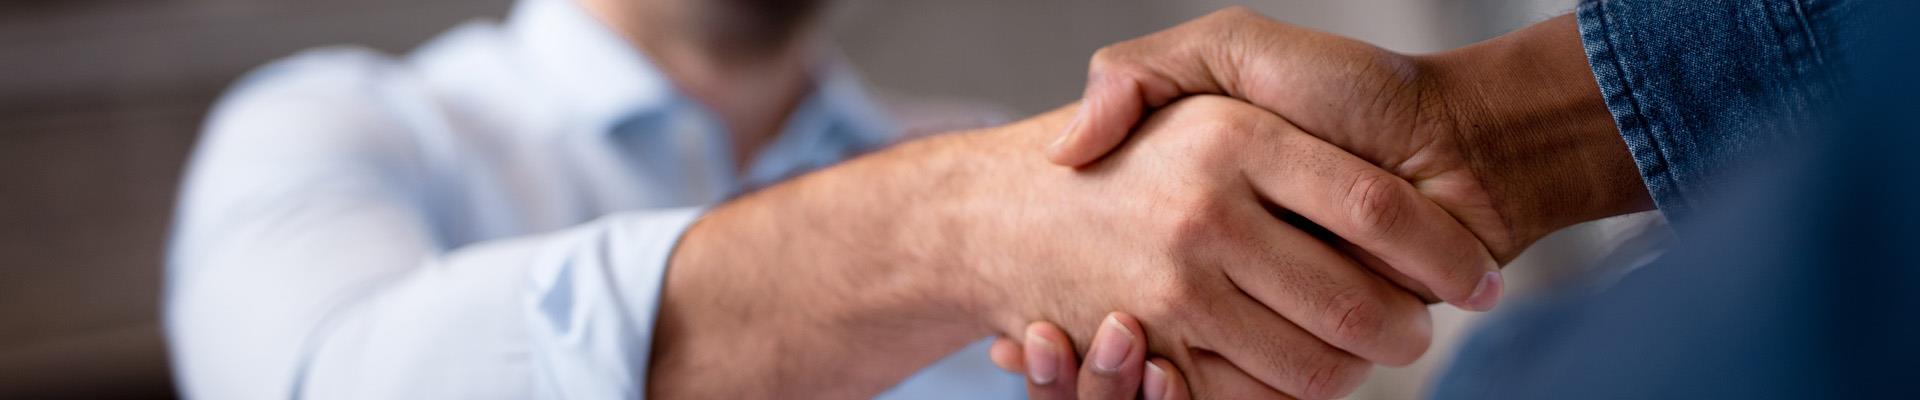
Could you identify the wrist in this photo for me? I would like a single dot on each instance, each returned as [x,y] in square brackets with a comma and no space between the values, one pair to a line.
[984,176]
[941,222]
[896,234]
[834,284]
[1531,124]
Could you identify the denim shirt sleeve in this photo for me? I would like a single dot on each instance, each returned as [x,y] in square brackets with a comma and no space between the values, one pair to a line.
[1697,87]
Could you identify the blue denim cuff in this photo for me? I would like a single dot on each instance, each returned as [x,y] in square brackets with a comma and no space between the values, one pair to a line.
[1698,86]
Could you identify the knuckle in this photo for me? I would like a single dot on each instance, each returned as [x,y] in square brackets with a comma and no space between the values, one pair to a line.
[1227,16]
[1234,114]
[1223,122]
[1376,205]
[1361,319]
[1116,65]
[1106,58]
[1239,120]
[1229,22]
[1195,221]
[1230,114]
[1216,106]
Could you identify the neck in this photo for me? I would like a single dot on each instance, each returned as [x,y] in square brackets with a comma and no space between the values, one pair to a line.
[751,92]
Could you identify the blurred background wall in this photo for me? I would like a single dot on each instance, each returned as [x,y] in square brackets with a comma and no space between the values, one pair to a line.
[100,101]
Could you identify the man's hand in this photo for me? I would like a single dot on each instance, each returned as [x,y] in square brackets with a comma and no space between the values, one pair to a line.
[1123,372]
[1510,135]
[1174,230]
[841,282]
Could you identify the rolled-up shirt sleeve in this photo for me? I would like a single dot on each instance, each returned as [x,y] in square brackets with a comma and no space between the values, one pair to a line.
[304,265]
[1698,87]
[561,315]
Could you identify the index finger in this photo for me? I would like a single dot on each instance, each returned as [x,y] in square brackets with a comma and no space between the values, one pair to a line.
[1376,211]
[1125,79]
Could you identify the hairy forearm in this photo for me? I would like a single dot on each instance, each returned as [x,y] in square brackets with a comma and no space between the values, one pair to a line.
[837,284]
[822,287]
[1532,121]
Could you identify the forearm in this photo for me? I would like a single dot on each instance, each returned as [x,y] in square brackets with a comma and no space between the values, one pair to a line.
[837,284]
[1533,124]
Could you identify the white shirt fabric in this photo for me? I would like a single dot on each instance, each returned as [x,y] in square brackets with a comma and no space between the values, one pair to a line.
[488,217]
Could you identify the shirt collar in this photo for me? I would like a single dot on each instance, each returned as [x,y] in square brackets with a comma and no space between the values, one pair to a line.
[843,99]
[584,62]
[606,80]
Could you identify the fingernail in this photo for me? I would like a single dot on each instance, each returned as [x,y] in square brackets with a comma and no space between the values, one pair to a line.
[1486,294]
[1155,387]
[1079,117]
[1111,346]
[1043,359]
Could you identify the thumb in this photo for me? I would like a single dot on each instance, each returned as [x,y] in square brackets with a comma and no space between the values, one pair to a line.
[1108,111]
[1127,78]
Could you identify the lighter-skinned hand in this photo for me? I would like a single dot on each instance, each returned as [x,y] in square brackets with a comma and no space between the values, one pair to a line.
[1179,229]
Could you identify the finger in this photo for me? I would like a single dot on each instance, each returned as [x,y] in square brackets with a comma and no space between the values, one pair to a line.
[1214,377]
[1356,253]
[1163,382]
[1385,271]
[1108,111]
[1331,296]
[1050,363]
[1276,353]
[1007,355]
[1376,211]
[1115,360]
[1125,79]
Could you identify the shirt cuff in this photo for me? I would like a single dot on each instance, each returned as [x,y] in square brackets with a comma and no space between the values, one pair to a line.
[592,302]
[1697,88]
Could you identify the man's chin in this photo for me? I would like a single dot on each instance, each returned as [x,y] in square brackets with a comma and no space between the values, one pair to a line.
[748,27]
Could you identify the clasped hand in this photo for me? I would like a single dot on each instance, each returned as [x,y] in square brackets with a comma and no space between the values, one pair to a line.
[1187,230]
[1253,306]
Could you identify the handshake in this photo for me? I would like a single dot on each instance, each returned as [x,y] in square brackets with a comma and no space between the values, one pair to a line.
[1237,208]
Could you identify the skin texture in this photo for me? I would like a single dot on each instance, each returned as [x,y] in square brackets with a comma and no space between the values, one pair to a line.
[842,282]
[1509,135]
[901,257]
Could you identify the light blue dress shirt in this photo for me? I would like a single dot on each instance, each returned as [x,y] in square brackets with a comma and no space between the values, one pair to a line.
[489,217]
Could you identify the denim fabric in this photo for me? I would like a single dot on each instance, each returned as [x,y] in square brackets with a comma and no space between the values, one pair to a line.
[1698,86]
[1805,286]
